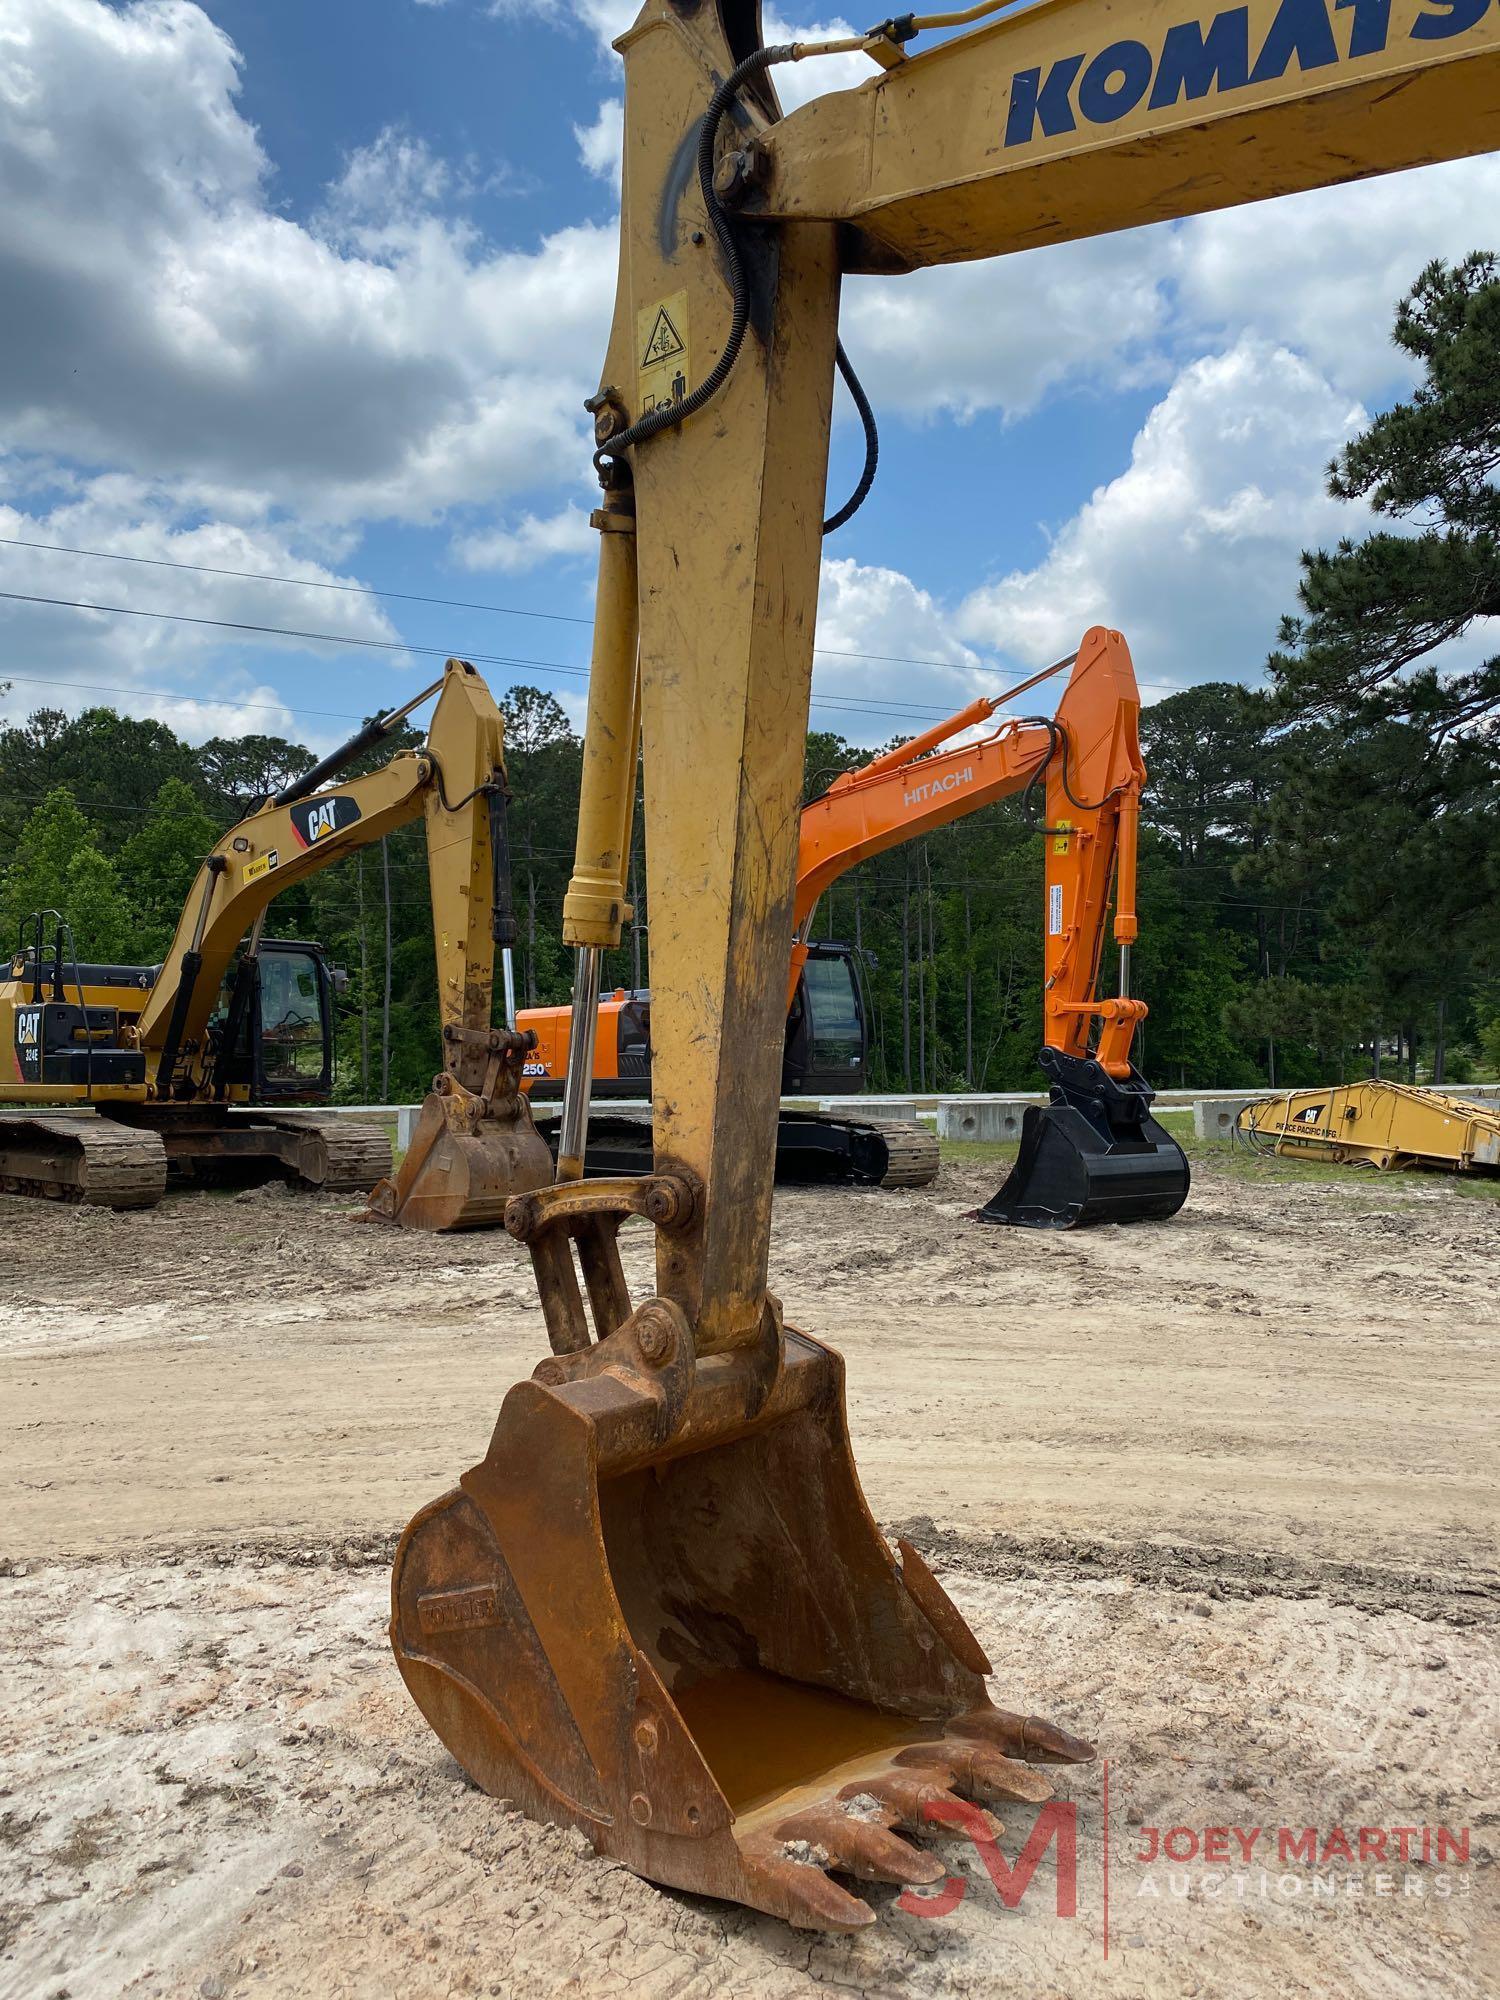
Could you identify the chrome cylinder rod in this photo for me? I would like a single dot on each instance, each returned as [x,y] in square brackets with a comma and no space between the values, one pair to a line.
[573,1139]
[508,979]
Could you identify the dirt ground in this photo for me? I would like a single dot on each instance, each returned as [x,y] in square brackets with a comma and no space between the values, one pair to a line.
[1220,1494]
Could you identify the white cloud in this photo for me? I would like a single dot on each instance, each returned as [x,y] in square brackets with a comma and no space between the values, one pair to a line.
[1192,551]
[396,177]
[1318,272]
[49,648]
[531,542]
[601,144]
[162,316]
[1322,271]
[966,338]
[881,615]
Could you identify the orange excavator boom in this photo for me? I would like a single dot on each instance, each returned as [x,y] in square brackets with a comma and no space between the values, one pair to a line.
[1087,757]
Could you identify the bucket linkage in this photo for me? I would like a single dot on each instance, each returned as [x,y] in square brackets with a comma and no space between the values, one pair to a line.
[1094,1154]
[659,1610]
[471,1148]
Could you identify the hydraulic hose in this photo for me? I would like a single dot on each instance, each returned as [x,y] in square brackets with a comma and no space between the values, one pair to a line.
[669,416]
[1058,748]
[856,389]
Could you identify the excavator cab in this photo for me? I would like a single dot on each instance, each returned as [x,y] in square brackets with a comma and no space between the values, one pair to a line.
[827,1037]
[273,1027]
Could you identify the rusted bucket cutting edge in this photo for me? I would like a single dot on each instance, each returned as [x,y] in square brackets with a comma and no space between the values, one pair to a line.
[660,1611]
[462,1166]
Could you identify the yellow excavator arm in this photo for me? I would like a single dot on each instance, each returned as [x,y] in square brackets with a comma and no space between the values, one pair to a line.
[474,1143]
[658,1608]
[1078,117]
[456,780]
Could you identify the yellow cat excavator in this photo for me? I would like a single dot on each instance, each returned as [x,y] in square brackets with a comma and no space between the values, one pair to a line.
[199,1063]
[658,1608]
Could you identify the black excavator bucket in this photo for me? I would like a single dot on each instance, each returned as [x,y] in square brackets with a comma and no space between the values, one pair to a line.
[1094,1154]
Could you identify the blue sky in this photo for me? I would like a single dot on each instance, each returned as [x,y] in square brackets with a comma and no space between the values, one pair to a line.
[317,291]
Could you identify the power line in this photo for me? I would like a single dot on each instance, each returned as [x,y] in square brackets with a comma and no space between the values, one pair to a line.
[162,694]
[281,631]
[299,582]
[852,705]
[416,597]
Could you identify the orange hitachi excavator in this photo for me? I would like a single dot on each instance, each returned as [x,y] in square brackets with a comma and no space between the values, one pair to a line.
[1094,1153]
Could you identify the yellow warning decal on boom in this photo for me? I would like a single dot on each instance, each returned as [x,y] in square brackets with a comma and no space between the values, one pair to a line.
[662,353]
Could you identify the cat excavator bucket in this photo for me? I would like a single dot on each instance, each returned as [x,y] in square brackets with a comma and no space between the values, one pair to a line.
[470,1149]
[1094,1154]
[658,1609]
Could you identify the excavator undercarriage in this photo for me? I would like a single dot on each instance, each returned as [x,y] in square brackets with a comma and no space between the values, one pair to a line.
[813,1149]
[123,1158]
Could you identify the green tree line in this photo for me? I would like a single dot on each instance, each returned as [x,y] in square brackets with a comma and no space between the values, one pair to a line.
[1320,858]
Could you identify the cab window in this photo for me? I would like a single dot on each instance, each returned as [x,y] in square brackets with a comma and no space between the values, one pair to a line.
[291,1017]
[836,1038]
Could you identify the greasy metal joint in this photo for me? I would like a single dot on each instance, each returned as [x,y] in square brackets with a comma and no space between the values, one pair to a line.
[496,1041]
[608,412]
[585,1217]
[741,171]
[655,1332]
[668,1200]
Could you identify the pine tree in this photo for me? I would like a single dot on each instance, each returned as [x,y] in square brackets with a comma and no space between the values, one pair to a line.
[1377,611]
[1396,784]
[57,865]
[159,861]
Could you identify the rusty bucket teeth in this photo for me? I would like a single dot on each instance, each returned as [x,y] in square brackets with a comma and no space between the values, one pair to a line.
[855,1843]
[924,1788]
[921,1801]
[793,1886]
[977,1771]
[1030,1737]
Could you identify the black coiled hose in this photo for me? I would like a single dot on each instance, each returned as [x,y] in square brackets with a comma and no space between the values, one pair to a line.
[668,416]
[856,389]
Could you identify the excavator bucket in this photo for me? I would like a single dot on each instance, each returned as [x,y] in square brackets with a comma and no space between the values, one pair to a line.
[468,1154]
[1094,1154]
[659,1610]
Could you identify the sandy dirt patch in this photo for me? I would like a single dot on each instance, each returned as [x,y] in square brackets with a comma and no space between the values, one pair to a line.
[1221,1495]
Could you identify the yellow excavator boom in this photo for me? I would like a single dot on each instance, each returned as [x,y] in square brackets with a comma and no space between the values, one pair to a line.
[1078,117]
[1376,1124]
[164,1069]
[658,1607]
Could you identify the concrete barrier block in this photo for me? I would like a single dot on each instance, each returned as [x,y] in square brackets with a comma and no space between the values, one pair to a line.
[1214,1117]
[984,1121]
